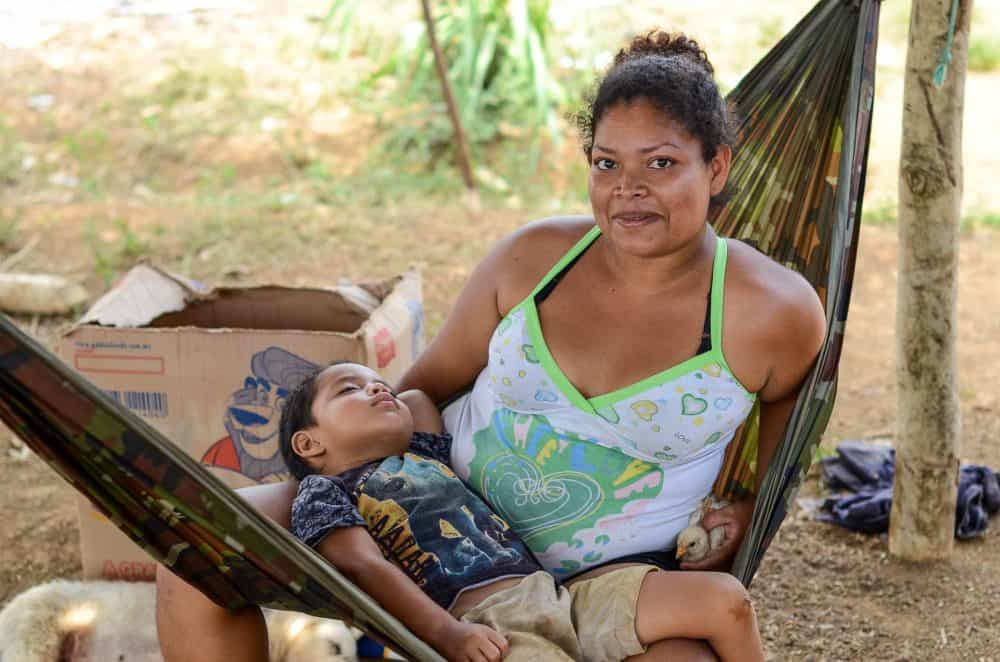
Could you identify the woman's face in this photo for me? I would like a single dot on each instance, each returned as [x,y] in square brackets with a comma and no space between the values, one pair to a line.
[649,184]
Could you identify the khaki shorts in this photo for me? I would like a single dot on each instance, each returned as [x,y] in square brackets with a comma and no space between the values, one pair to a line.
[590,621]
[604,613]
[535,617]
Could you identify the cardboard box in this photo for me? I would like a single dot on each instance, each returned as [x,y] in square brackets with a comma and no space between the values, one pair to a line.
[210,368]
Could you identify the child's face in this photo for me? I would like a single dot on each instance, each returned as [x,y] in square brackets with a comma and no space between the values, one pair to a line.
[357,413]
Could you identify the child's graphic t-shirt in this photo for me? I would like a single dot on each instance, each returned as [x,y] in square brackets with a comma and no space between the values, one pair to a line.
[423,517]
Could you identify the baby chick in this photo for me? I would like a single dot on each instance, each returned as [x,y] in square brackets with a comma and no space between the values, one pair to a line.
[694,543]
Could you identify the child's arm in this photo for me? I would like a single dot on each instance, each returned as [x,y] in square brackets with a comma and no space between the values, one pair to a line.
[426,417]
[354,553]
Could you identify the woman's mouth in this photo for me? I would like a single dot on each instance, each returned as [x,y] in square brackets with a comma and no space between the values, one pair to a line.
[634,220]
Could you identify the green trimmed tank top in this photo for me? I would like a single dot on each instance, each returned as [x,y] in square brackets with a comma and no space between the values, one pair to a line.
[587,480]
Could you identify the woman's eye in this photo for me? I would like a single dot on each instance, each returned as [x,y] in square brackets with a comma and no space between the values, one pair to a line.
[604,164]
[347,389]
[661,163]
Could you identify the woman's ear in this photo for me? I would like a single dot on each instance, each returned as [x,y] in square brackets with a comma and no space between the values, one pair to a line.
[306,445]
[719,165]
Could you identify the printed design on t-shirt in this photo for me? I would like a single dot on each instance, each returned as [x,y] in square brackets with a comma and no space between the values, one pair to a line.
[389,525]
[427,521]
[565,495]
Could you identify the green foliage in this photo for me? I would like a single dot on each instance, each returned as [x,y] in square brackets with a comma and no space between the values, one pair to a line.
[978,218]
[990,219]
[11,154]
[498,66]
[205,232]
[132,245]
[984,53]
[884,212]
[822,452]
[214,181]
[115,247]
[87,145]
[8,228]
[339,20]
[770,30]
[107,259]
[212,81]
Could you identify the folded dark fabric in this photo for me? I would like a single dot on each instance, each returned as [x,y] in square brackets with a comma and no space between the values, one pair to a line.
[859,466]
[978,498]
[866,511]
[865,471]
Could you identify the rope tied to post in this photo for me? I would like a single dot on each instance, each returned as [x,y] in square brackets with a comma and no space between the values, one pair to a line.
[941,70]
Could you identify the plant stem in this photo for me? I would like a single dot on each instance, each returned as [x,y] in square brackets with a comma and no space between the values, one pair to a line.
[463,145]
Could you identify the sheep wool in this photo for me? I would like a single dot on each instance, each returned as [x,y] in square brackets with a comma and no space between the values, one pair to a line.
[97,621]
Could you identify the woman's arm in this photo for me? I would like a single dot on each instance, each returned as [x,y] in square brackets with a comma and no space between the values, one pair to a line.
[355,554]
[460,350]
[426,417]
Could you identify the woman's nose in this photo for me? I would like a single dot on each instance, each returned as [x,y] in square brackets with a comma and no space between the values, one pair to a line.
[630,185]
[376,387]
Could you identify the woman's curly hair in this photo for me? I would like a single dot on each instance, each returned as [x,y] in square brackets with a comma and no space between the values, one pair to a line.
[672,73]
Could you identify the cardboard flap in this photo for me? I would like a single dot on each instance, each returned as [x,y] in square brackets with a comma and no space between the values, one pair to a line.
[151,297]
[143,294]
[393,333]
[268,308]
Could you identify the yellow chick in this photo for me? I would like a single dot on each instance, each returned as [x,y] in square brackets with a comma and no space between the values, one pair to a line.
[694,543]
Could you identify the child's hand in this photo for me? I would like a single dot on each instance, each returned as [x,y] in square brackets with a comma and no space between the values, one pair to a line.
[471,642]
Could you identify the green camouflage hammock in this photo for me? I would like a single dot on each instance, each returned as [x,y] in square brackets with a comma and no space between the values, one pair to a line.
[799,176]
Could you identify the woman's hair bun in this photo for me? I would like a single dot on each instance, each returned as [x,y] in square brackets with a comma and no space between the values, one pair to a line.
[665,44]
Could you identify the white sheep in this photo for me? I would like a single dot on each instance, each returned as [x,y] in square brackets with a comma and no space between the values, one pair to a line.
[99,621]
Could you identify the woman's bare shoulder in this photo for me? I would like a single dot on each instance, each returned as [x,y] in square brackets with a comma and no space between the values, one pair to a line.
[547,235]
[524,257]
[768,285]
[780,319]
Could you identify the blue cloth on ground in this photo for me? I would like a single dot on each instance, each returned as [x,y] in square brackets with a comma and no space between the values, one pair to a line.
[865,471]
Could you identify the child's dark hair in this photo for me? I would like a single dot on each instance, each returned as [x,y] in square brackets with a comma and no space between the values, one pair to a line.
[672,73]
[297,415]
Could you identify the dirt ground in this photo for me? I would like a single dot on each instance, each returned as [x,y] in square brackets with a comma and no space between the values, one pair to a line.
[822,593]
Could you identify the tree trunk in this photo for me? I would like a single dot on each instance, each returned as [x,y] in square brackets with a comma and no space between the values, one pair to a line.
[922,525]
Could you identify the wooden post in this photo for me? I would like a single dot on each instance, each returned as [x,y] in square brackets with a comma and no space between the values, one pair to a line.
[922,524]
[464,162]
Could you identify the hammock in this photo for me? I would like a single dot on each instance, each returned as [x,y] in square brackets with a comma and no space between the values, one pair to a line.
[799,176]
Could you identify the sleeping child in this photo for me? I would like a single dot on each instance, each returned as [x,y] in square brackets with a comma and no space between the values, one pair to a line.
[377,499]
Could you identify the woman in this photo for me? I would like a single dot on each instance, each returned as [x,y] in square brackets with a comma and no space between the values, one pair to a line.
[612,358]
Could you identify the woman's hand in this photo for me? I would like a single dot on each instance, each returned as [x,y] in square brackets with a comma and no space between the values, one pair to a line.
[735,518]
[471,642]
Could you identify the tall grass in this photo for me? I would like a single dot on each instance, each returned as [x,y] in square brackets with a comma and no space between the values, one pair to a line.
[498,66]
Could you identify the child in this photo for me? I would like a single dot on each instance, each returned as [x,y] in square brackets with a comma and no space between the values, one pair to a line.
[444,564]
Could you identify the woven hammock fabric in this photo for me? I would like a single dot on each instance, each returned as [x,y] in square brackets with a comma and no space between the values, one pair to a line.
[799,177]
[169,504]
